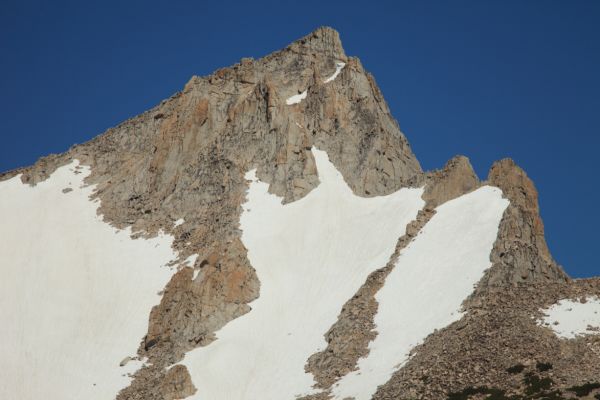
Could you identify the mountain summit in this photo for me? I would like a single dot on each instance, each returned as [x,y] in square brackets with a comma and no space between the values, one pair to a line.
[267,233]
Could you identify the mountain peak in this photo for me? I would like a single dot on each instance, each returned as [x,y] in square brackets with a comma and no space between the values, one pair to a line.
[422,283]
[322,40]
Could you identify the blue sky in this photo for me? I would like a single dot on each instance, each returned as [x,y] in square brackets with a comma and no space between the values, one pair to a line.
[487,79]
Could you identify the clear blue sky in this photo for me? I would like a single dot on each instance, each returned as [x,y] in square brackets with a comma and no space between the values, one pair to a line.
[487,79]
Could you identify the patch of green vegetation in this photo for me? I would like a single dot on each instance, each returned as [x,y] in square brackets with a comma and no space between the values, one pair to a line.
[515,369]
[535,384]
[584,390]
[465,394]
[535,388]
[554,395]
[543,367]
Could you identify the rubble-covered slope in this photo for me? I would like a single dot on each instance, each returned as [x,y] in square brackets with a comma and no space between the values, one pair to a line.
[309,255]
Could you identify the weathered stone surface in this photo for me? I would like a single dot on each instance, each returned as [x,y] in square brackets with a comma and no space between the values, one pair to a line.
[520,254]
[455,179]
[153,382]
[191,310]
[177,384]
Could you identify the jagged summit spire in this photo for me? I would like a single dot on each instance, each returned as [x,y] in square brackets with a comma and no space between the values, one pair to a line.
[323,39]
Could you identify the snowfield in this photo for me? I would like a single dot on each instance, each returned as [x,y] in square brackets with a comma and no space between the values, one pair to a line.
[311,256]
[75,293]
[571,318]
[432,277]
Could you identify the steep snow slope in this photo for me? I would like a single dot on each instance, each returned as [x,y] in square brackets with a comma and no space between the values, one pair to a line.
[310,256]
[571,318]
[432,277]
[75,293]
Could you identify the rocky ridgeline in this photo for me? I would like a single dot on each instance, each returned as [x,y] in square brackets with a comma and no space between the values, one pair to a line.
[186,158]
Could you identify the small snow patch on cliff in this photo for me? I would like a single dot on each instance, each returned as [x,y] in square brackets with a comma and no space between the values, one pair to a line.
[297,98]
[191,260]
[338,68]
[179,222]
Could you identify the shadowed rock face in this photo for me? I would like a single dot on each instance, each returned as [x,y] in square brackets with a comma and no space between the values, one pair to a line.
[186,158]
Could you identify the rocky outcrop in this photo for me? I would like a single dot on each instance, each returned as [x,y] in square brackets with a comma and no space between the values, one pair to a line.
[153,382]
[455,179]
[192,309]
[177,384]
[520,253]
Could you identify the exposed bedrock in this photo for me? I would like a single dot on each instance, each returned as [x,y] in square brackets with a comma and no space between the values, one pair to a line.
[520,253]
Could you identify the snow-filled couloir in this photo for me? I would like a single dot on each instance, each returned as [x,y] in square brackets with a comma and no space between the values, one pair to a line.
[424,292]
[310,256]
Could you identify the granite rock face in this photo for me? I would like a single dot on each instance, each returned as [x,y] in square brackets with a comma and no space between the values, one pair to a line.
[186,159]
[521,253]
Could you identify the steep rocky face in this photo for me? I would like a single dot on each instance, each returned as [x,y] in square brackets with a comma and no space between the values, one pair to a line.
[185,160]
[521,253]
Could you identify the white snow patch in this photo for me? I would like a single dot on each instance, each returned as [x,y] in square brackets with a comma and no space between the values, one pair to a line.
[297,98]
[179,222]
[432,277]
[571,318]
[75,293]
[132,366]
[191,260]
[196,272]
[338,68]
[310,256]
